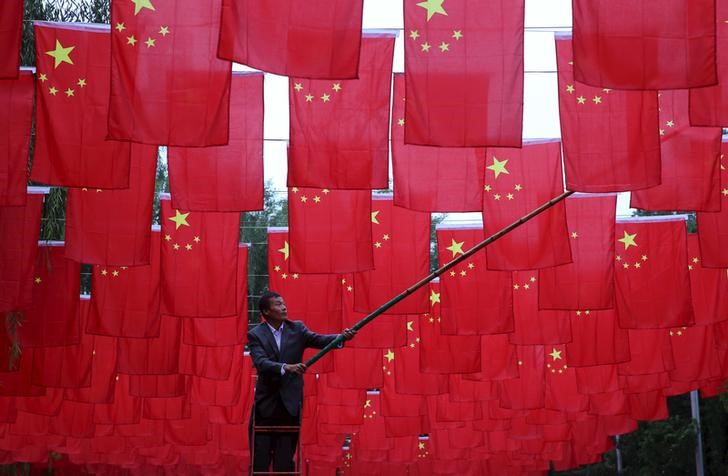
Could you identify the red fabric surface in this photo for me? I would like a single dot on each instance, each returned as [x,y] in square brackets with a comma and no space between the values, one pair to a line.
[16,104]
[11,29]
[713,226]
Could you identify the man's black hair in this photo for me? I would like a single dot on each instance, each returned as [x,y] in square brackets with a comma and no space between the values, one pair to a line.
[265,298]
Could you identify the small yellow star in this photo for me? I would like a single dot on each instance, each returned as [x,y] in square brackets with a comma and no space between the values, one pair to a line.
[150,42]
[463,273]
[69,92]
[131,40]
[533,279]
[526,286]
[196,239]
[179,219]
[53,90]
[38,280]
[120,27]
[509,196]
[456,247]
[284,276]
[452,273]
[175,246]
[487,188]
[42,78]
[607,90]
[425,47]
[309,97]
[400,122]
[115,273]
[570,88]
[414,34]
[316,199]
[471,266]
[325,97]
[662,132]
[81,82]
[295,275]
[597,100]
[164,31]
[518,187]
[298,87]
[574,235]
[168,237]
[625,265]
[516,287]
[457,34]
[367,404]
[336,87]
[581,100]
[670,124]
[325,191]
[385,237]
[497,196]
[444,47]
[188,247]
[304,198]
[724,192]
[637,265]
[377,245]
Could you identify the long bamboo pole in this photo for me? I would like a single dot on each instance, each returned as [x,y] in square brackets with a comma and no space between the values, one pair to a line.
[366,320]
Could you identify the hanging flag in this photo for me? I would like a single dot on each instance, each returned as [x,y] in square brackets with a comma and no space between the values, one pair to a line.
[610,137]
[587,282]
[527,391]
[433,179]
[690,162]
[651,353]
[708,287]
[330,230]
[713,226]
[229,177]
[383,332]
[339,136]
[167,84]
[73,97]
[112,227]
[152,355]
[401,257]
[597,339]
[53,316]
[561,392]
[516,182]
[199,262]
[19,230]
[125,300]
[356,368]
[534,326]
[312,298]
[651,273]
[11,30]
[464,73]
[645,45]
[708,104]
[695,355]
[319,39]
[103,373]
[404,365]
[474,299]
[16,104]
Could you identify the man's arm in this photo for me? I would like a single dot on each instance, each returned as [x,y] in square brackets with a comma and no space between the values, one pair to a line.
[319,341]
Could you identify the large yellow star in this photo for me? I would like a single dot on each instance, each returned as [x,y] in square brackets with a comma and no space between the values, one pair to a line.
[421,445]
[389,355]
[498,167]
[375,220]
[139,4]
[285,250]
[61,54]
[432,7]
[409,326]
[456,248]
[628,240]
[555,354]
[179,219]
[434,297]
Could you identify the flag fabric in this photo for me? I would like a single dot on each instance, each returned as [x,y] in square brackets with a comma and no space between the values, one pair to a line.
[53,316]
[356,368]
[228,177]
[597,339]
[708,287]
[610,137]
[103,372]
[651,273]
[167,84]
[650,351]
[199,262]
[112,227]
[330,231]
[695,356]
[19,230]
[338,130]
[73,98]
[645,45]
[404,364]
[125,300]
[708,104]
[713,226]
[481,105]
[690,161]
[534,326]
[527,391]
[433,179]
[16,102]
[11,30]
[401,258]
[474,299]
[152,355]
[587,282]
[320,39]
[516,182]
[384,332]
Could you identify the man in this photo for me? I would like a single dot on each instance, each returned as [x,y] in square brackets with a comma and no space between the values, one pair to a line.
[276,347]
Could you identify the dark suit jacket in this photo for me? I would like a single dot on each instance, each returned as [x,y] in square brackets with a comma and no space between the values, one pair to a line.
[267,360]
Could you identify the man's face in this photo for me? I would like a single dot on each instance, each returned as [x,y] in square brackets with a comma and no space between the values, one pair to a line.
[276,311]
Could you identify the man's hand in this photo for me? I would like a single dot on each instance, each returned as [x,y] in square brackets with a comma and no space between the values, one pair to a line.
[348,334]
[299,369]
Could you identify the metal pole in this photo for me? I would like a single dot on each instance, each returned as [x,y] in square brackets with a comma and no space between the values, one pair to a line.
[695,410]
[335,343]
[620,469]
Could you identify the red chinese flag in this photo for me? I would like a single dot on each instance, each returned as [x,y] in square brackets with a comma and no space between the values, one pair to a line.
[499,359]
[313,298]
[527,391]
[73,101]
[610,137]
[125,300]
[690,162]
[103,374]
[317,40]
[199,262]
[534,326]
[713,226]
[649,44]
[167,84]
[445,354]
[53,316]
[516,182]
[16,104]
[433,179]
[597,339]
[561,387]
[474,299]
[112,227]
[356,368]
[651,273]
[401,257]
[650,351]
[205,361]
[223,331]
[386,331]
[708,287]
[151,386]
[19,230]
[464,73]
[153,355]
[404,365]
[696,358]
[11,29]
[649,406]
[339,136]
[597,379]
[708,105]
[229,177]
[330,230]
[588,282]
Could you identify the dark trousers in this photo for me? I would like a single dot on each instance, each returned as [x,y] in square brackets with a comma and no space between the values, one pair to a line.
[278,447]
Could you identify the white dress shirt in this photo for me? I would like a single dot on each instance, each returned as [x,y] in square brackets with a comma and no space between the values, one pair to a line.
[277,334]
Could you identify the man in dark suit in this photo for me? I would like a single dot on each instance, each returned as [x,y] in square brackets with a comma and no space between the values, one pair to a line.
[276,346]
